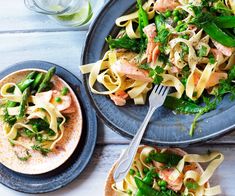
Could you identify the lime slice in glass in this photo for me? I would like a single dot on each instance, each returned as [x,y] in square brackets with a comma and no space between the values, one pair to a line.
[81,17]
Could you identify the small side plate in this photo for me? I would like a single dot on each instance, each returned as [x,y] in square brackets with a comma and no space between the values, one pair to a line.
[73,167]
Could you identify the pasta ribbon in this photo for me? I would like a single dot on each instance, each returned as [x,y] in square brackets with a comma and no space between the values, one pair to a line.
[16,96]
[114,81]
[193,174]
[40,109]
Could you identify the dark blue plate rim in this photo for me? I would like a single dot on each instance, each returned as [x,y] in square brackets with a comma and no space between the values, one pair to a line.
[78,160]
[118,130]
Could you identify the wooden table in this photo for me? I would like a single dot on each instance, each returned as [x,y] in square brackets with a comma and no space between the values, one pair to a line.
[25,36]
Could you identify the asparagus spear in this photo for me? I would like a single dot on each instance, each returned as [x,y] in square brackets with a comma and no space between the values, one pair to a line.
[38,80]
[23,102]
[46,80]
[25,83]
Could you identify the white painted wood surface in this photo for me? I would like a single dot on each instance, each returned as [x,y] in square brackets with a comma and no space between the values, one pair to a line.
[25,36]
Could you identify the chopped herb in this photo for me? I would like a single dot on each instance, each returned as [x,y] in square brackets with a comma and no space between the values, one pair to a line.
[222,8]
[39,138]
[44,151]
[146,170]
[163,32]
[159,69]
[50,132]
[211,58]
[138,174]
[144,66]
[185,74]
[227,86]
[192,185]
[59,120]
[11,142]
[11,120]
[25,158]
[132,172]
[207,3]
[29,133]
[148,160]
[202,51]
[35,128]
[162,36]
[154,73]
[163,58]
[157,79]
[184,50]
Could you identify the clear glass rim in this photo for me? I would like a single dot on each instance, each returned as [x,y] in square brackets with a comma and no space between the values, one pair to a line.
[37,8]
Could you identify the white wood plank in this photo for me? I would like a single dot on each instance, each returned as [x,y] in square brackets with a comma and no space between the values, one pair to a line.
[61,48]
[16,17]
[92,180]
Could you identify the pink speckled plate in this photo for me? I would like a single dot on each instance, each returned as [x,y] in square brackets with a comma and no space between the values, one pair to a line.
[38,163]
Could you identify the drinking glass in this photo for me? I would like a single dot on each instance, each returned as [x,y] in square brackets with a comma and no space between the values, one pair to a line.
[66,12]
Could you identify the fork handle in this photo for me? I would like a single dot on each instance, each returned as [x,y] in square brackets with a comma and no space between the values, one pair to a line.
[125,161]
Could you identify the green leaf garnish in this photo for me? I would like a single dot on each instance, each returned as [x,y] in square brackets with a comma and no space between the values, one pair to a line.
[44,151]
[192,185]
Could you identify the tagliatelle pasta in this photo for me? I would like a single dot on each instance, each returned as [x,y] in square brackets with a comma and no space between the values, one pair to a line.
[186,46]
[16,96]
[187,171]
[40,109]
[114,81]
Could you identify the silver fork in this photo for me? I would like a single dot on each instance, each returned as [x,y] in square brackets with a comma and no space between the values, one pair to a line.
[156,99]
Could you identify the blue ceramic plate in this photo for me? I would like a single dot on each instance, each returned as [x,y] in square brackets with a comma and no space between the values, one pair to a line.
[165,128]
[77,162]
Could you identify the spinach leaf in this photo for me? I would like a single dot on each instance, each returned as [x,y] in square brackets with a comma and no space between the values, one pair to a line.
[181,106]
[167,158]
[39,123]
[126,43]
